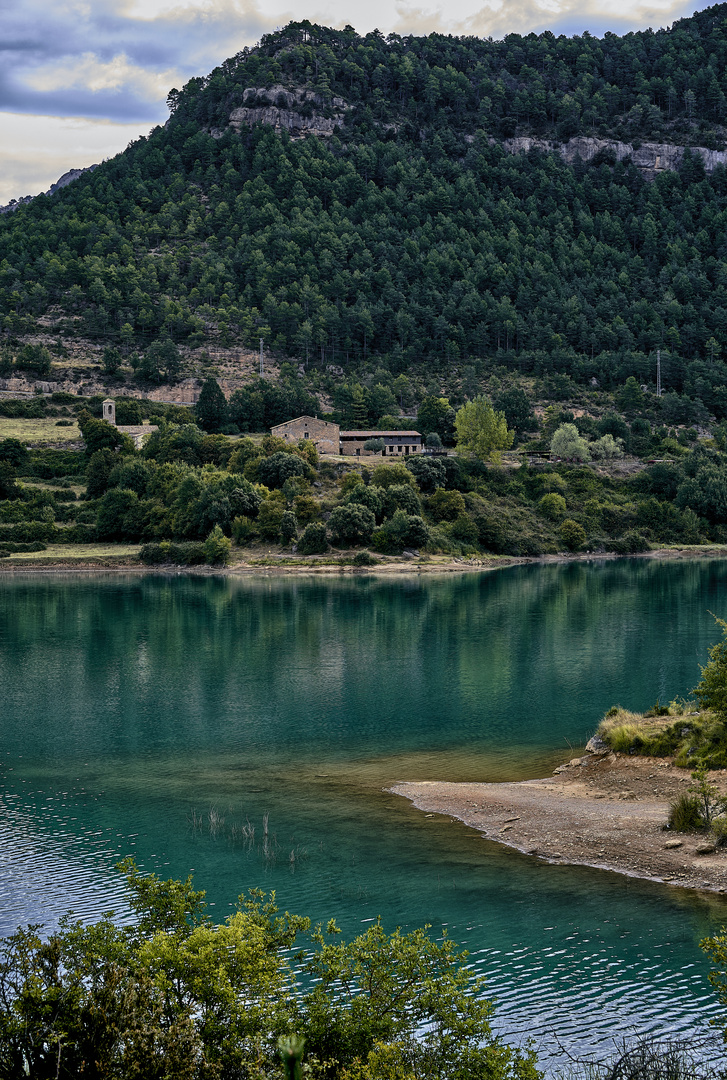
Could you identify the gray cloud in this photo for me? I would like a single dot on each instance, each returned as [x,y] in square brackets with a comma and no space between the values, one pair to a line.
[501,17]
[41,40]
[101,59]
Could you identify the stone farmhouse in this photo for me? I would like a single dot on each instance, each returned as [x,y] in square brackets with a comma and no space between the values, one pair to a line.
[395,442]
[329,439]
[324,435]
[137,432]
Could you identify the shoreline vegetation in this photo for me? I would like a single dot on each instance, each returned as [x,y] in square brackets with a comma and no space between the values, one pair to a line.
[124,558]
[647,798]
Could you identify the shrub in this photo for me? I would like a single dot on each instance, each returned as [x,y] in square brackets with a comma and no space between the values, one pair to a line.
[685,814]
[552,506]
[606,447]
[397,473]
[277,468]
[269,518]
[400,531]
[631,543]
[217,548]
[13,452]
[306,509]
[371,497]
[569,445]
[572,534]
[308,451]
[376,446]
[446,505]
[429,473]
[352,524]
[465,530]
[364,558]
[314,540]
[245,450]
[11,548]
[243,530]
[401,497]
[288,527]
[185,554]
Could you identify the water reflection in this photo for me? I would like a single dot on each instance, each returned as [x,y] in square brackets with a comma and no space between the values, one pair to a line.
[133,707]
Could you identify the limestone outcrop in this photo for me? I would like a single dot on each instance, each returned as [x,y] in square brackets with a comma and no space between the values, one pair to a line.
[651,158]
[300,112]
[63,181]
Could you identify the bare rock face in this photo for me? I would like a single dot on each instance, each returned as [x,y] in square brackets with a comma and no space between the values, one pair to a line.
[651,158]
[300,112]
[63,181]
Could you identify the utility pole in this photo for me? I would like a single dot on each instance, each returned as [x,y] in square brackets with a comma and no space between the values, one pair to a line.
[658,372]
[261,358]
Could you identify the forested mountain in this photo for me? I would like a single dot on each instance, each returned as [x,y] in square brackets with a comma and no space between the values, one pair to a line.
[404,233]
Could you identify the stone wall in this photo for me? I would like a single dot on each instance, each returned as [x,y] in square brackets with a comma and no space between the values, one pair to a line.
[323,434]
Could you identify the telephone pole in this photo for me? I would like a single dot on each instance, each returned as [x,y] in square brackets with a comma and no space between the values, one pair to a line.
[658,372]
[261,358]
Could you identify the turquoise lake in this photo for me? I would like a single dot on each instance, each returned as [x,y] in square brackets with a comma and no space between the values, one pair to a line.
[166,716]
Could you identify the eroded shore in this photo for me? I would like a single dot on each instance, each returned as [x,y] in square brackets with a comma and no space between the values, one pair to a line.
[285,564]
[602,810]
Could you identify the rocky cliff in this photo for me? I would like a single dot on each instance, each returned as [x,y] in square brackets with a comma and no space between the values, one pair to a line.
[300,112]
[63,181]
[651,158]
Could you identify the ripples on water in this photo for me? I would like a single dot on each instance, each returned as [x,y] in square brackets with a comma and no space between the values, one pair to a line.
[132,708]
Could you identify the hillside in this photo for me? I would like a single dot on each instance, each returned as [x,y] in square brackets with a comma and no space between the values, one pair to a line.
[370,203]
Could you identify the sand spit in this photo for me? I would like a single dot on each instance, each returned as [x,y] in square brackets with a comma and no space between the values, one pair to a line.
[602,810]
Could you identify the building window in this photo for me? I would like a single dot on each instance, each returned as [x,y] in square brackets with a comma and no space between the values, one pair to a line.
[306,435]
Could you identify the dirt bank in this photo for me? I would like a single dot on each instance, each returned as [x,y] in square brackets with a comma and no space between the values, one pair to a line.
[49,562]
[607,811]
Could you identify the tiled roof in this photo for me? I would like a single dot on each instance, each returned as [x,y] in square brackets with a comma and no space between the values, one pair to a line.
[377,434]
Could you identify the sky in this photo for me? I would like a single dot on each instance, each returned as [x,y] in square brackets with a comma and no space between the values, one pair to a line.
[80,79]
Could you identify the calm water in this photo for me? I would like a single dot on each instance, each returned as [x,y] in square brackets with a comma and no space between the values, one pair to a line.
[160,716]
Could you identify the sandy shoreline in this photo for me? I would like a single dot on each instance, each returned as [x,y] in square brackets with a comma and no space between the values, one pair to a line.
[386,566]
[607,811]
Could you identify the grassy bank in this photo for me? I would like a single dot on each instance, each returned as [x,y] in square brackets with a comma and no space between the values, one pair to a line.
[679,731]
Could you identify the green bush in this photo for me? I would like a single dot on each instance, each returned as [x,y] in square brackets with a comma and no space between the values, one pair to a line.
[552,506]
[685,814]
[465,530]
[631,543]
[278,468]
[401,531]
[244,529]
[184,554]
[371,497]
[364,558]
[10,548]
[572,534]
[217,548]
[352,524]
[288,527]
[401,497]
[314,540]
[270,517]
[446,505]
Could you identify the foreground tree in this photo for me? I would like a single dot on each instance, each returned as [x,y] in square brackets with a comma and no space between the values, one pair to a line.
[481,431]
[178,997]
[568,445]
[711,691]
[211,408]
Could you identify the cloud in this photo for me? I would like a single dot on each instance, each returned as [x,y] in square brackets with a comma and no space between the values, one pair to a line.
[37,150]
[111,63]
[104,59]
[497,18]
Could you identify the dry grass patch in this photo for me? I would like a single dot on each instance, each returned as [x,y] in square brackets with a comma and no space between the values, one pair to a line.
[75,553]
[38,431]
